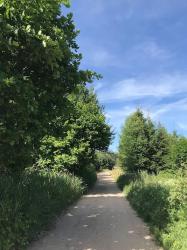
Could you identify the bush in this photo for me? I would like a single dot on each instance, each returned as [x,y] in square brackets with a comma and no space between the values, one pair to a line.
[105,160]
[30,202]
[177,156]
[88,175]
[162,201]
[150,200]
[123,178]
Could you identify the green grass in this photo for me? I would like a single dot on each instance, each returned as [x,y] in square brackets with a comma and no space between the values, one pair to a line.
[29,203]
[162,202]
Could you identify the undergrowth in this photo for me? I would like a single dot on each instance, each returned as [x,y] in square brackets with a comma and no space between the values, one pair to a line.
[29,203]
[162,202]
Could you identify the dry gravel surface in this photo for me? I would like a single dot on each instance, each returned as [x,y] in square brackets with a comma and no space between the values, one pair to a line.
[101,220]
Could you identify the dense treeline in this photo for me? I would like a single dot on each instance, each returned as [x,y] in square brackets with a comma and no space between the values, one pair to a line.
[155,177]
[51,124]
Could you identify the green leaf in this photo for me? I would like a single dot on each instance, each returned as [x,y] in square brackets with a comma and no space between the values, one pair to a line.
[1,3]
[66,3]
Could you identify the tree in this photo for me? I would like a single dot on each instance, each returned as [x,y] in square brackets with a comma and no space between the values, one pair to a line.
[133,145]
[84,131]
[39,68]
[177,156]
[143,145]
[159,148]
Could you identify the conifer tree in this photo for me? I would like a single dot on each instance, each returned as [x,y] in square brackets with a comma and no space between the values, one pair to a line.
[143,145]
[134,143]
[160,149]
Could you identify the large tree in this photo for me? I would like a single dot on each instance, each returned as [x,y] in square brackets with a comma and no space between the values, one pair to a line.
[39,67]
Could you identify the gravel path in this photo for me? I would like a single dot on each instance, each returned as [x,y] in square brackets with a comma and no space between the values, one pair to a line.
[101,220]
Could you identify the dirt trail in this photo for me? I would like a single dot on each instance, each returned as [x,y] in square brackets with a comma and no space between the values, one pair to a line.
[101,220]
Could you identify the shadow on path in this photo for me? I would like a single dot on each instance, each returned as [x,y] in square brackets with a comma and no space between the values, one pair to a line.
[101,220]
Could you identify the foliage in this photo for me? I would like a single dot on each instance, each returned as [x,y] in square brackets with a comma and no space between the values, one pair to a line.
[49,119]
[29,204]
[123,178]
[105,159]
[85,131]
[133,143]
[162,201]
[88,176]
[39,67]
[177,157]
[117,172]
[143,146]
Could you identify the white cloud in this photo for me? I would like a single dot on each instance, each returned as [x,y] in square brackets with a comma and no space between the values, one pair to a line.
[160,97]
[173,107]
[138,88]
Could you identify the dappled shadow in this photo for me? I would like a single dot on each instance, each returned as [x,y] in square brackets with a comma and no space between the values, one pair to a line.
[101,220]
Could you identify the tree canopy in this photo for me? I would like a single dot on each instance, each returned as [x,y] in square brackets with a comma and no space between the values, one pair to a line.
[143,145]
[39,70]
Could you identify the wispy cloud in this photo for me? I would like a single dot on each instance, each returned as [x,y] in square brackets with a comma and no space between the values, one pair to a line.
[141,87]
[173,107]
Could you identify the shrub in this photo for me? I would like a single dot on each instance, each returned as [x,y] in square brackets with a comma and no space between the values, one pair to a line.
[177,157]
[105,160]
[88,175]
[30,202]
[162,201]
[150,199]
[123,179]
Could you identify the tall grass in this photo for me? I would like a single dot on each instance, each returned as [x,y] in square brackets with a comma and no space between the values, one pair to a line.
[162,201]
[30,202]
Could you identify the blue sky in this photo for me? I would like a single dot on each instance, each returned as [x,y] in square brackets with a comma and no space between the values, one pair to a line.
[140,48]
